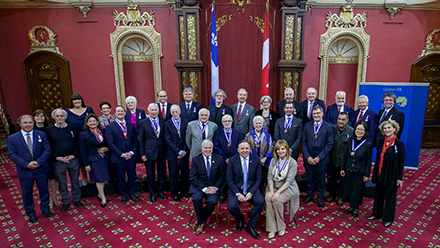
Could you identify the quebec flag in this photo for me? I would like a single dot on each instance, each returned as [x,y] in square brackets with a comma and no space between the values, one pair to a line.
[214,57]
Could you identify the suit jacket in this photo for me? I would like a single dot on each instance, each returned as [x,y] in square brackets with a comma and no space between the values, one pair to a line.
[221,144]
[394,114]
[140,115]
[333,111]
[297,109]
[118,144]
[293,135]
[150,145]
[89,145]
[193,137]
[19,153]
[234,174]
[340,143]
[322,145]
[245,124]
[361,161]
[304,105]
[175,143]
[198,174]
[222,111]
[369,117]
[193,114]
[167,111]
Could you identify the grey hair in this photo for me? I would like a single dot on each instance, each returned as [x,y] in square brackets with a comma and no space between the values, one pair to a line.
[363,97]
[174,106]
[207,141]
[188,89]
[389,94]
[131,97]
[55,110]
[241,90]
[340,92]
[317,107]
[219,91]
[311,88]
[200,110]
[264,98]
[258,117]
[289,89]
[25,116]
[152,105]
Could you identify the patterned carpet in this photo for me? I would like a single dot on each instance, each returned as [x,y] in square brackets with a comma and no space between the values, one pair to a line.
[165,223]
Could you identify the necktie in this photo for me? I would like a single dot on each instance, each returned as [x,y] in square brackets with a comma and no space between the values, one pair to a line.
[208,166]
[245,174]
[163,110]
[239,112]
[383,116]
[316,128]
[340,109]
[203,134]
[188,108]
[360,116]
[310,110]
[29,144]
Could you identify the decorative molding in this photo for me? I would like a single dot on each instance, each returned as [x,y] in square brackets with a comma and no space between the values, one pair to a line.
[84,10]
[346,18]
[432,44]
[44,40]
[133,17]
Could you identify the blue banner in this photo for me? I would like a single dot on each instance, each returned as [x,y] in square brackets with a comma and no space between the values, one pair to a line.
[411,99]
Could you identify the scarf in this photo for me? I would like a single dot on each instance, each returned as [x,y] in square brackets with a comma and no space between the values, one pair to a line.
[98,135]
[384,149]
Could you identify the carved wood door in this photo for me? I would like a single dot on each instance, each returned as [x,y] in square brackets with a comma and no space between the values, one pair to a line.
[48,81]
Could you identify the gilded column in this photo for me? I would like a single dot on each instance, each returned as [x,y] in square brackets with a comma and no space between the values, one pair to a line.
[189,65]
[291,64]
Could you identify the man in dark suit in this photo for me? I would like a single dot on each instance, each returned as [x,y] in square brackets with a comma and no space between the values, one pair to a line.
[243,177]
[197,131]
[122,140]
[152,147]
[189,109]
[207,175]
[312,101]
[243,113]
[333,110]
[177,153]
[317,143]
[164,105]
[226,141]
[367,115]
[390,112]
[29,149]
[289,128]
[289,95]
[219,109]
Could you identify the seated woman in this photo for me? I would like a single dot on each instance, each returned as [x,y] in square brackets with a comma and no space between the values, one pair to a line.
[106,118]
[41,123]
[261,146]
[356,168]
[281,188]
[94,154]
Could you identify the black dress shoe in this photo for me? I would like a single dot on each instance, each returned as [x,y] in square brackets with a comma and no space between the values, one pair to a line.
[372,217]
[134,197]
[252,231]
[307,200]
[320,204]
[65,207]
[222,199]
[176,198]
[153,198]
[163,196]
[33,219]
[185,194]
[387,224]
[124,199]
[48,214]
[349,210]
[103,205]
[78,204]
[239,226]
[355,212]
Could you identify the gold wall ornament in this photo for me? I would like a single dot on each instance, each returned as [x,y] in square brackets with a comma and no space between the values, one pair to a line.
[288,47]
[193,82]
[134,17]
[287,80]
[258,22]
[44,41]
[346,18]
[298,38]
[432,44]
[182,37]
[222,21]
[192,45]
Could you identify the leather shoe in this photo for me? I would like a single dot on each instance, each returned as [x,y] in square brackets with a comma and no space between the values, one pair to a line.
[78,204]
[185,194]
[349,210]
[199,229]
[307,200]
[48,214]
[65,207]
[329,199]
[239,226]
[134,197]
[372,217]
[320,204]
[124,199]
[252,231]
[222,199]
[163,196]
[153,198]
[103,205]
[355,212]
[176,198]
[387,224]
[195,226]
[33,219]
[339,202]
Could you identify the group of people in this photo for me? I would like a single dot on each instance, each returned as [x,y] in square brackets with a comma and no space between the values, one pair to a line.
[235,153]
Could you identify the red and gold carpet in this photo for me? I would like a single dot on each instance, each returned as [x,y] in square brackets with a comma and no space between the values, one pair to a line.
[165,223]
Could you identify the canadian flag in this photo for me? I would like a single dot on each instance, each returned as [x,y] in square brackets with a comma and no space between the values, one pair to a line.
[265,66]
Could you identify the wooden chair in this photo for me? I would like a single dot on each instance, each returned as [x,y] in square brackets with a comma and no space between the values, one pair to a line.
[192,212]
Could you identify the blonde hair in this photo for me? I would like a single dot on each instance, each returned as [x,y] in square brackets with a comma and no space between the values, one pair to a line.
[278,145]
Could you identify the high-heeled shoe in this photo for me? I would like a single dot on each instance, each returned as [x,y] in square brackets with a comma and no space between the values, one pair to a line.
[355,213]
[103,204]
[349,210]
[55,201]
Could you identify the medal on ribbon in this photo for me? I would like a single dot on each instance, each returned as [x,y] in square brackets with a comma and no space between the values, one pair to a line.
[354,149]
[228,137]
[282,167]
[177,126]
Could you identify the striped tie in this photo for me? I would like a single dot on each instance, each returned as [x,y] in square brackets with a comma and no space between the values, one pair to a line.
[29,144]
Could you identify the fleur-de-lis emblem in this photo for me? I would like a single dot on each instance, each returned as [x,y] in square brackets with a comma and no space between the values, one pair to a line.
[214,39]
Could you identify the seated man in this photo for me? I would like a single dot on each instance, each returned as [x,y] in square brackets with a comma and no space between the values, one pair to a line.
[243,177]
[207,175]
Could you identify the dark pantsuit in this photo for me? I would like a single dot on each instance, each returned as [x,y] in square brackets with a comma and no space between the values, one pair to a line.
[233,207]
[27,185]
[128,167]
[203,213]
[61,170]
[184,174]
[151,174]
[385,196]
[316,172]
[334,181]
[354,191]
[174,166]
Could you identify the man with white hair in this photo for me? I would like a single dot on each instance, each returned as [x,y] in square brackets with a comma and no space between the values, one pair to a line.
[152,148]
[189,108]
[308,104]
[338,107]
[243,113]
[219,109]
[197,131]
[289,96]
[367,115]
